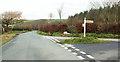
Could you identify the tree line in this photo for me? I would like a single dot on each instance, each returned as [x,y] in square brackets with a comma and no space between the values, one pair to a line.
[106,13]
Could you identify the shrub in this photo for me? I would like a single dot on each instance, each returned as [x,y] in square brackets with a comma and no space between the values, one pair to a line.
[79,27]
[53,28]
[72,29]
[91,27]
[45,28]
[113,28]
[23,27]
[62,27]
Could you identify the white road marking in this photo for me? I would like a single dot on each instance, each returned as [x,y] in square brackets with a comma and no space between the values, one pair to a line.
[66,44]
[73,47]
[80,57]
[59,44]
[65,48]
[51,38]
[58,41]
[69,50]
[90,56]
[69,45]
[82,52]
[62,46]
[74,53]
[55,39]
[77,49]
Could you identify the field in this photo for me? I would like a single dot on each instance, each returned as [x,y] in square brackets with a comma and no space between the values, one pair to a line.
[28,20]
[53,20]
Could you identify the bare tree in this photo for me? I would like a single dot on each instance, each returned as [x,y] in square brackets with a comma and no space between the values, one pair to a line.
[60,10]
[95,4]
[50,15]
[8,17]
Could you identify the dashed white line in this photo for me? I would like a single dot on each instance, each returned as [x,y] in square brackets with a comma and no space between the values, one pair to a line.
[77,49]
[82,52]
[62,46]
[80,57]
[55,39]
[66,44]
[69,45]
[73,47]
[90,56]
[69,50]
[65,48]
[49,38]
[59,44]
[74,53]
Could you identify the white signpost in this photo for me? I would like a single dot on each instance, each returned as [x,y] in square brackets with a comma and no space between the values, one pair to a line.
[84,25]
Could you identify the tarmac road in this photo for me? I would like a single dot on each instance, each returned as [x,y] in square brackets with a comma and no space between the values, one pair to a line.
[101,51]
[32,46]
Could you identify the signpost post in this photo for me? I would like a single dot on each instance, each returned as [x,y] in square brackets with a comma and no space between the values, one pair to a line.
[84,25]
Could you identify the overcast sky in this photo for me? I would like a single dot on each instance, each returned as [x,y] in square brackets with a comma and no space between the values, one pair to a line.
[40,9]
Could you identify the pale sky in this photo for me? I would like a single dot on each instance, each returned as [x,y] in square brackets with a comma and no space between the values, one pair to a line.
[40,9]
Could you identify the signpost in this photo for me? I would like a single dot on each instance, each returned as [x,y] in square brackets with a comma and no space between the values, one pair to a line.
[84,25]
[89,21]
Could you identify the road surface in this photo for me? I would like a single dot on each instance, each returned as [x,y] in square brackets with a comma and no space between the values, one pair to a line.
[31,46]
[101,51]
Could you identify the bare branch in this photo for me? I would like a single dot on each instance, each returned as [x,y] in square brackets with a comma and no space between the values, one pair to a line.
[11,15]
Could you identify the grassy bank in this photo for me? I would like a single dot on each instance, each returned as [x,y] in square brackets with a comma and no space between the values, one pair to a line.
[6,37]
[86,40]
[81,35]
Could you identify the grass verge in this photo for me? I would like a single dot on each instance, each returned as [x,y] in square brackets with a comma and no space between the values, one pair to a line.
[86,40]
[81,35]
[6,37]
[43,33]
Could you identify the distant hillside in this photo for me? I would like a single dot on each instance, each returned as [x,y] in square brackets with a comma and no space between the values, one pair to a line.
[55,20]
[28,20]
